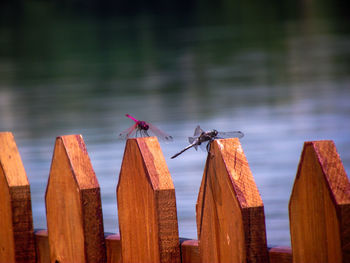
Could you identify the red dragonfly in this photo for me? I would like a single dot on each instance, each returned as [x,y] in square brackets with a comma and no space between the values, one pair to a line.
[142,128]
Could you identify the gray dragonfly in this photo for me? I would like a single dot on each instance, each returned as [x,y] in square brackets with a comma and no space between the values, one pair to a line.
[202,137]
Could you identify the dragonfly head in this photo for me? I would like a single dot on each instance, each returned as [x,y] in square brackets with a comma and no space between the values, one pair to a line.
[143,125]
[215,133]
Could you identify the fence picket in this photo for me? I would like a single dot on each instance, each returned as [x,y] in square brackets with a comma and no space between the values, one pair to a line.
[319,206]
[146,205]
[190,251]
[113,246]
[73,205]
[42,246]
[16,224]
[230,212]
[280,255]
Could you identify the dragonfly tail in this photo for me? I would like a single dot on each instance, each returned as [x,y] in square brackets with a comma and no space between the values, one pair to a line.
[198,131]
[188,147]
[131,117]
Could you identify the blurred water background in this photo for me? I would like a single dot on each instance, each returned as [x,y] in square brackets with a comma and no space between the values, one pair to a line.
[276,70]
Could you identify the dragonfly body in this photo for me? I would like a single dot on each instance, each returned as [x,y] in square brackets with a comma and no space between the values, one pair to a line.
[201,137]
[141,125]
[142,128]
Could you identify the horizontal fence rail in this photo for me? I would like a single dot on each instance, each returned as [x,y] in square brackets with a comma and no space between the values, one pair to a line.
[229,212]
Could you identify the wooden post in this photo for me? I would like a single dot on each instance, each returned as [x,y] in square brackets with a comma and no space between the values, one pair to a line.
[230,212]
[280,255]
[73,205]
[16,222]
[319,207]
[42,246]
[146,205]
[190,251]
[113,246]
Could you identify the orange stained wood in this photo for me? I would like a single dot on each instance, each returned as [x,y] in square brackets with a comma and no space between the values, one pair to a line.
[16,224]
[319,206]
[114,249]
[42,246]
[73,205]
[190,251]
[146,205]
[280,255]
[230,212]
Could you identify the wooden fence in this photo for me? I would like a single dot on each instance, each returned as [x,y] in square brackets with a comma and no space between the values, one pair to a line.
[230,212]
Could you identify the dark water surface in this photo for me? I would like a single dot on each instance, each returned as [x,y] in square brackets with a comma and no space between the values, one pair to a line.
[279,73]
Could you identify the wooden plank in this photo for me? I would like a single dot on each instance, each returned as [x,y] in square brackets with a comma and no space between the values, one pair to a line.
[42,246]
[230,212]
[73,205]
[146,205]
[190,251]
[16,224]
[280,255]
[114,248]
[319,206]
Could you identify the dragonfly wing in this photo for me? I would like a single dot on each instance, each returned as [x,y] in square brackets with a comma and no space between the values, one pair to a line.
[191,139]
[128,132]
[232,134]
[198,131]
[160,134]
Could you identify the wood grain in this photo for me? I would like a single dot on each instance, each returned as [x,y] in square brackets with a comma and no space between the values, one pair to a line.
[42,246]
[190,251]
[16,224]
[146,205]
[319,206]
[114,248]
[280,255]
[73,205]
[230,212]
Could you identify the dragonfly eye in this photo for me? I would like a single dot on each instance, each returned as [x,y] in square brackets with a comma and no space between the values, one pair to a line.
[145,126]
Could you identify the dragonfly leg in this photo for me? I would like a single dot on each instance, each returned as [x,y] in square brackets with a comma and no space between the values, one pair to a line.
[208,146]
[208,149]
[145,133]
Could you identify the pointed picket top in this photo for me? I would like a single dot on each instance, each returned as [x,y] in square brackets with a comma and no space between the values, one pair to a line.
[319,206]
[11,162]
[16,237]
[146,205]
[230,212]
[73,205]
